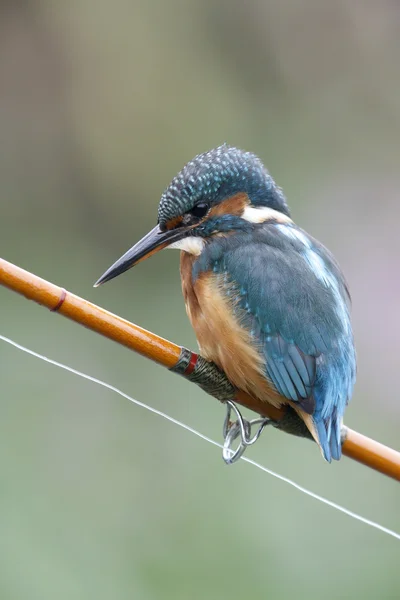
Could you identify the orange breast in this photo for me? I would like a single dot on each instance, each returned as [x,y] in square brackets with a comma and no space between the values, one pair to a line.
[221,337]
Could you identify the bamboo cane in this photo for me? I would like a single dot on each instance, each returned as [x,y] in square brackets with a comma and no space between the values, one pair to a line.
[355,445]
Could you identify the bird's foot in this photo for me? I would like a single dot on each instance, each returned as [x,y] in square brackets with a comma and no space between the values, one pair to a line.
[239,428]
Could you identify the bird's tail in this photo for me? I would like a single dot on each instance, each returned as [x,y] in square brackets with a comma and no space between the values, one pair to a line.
[329,437]
[326,432]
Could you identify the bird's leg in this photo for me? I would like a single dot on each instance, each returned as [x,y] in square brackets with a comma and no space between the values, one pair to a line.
[239,428]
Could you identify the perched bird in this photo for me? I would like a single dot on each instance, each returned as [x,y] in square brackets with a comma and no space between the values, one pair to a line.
[268,303]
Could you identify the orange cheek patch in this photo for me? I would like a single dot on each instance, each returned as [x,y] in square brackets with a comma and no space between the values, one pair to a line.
[174,223]
[231,206]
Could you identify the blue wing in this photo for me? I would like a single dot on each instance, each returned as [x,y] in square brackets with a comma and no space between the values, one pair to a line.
[294,302]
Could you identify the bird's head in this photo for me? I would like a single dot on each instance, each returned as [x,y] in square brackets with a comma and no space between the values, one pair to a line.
[217,192]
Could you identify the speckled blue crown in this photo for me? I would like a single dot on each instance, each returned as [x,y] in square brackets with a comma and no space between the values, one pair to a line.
[215,175]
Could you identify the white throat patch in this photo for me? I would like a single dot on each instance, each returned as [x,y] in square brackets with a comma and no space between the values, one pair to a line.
[191,245]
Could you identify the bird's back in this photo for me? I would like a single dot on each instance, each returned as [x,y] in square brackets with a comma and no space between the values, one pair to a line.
[270,307]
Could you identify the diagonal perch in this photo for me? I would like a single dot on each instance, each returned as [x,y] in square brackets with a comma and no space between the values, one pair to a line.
[190,365]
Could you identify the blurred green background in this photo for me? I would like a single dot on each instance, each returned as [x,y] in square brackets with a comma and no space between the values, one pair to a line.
[101,103]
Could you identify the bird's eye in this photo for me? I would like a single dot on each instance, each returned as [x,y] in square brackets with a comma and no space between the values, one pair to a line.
[199,211]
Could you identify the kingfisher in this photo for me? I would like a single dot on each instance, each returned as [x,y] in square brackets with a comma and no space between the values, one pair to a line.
[268,303]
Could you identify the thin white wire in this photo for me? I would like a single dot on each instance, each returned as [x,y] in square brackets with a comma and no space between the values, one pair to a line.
[204,437]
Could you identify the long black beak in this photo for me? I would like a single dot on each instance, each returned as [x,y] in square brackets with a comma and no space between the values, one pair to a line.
[153,242]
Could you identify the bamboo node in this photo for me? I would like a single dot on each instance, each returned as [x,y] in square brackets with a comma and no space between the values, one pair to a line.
[59,304]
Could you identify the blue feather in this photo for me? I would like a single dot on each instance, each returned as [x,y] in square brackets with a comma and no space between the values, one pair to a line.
[296,305]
